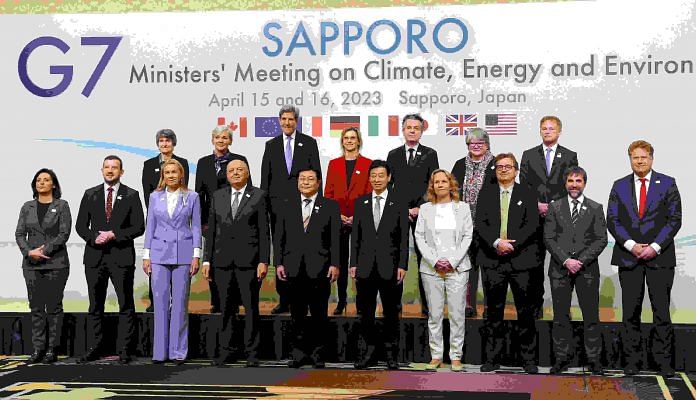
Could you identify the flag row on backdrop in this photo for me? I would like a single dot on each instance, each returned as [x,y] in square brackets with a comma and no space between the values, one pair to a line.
[373,125]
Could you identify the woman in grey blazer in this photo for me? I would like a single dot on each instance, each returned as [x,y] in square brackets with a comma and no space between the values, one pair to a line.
[443,234]
[42,231]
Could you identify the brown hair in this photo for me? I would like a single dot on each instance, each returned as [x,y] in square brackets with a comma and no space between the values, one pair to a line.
[161,185]
[454,186]
[641,144]
[507,155]
[551,118]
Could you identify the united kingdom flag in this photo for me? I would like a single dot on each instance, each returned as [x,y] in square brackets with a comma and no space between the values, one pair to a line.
[459,125]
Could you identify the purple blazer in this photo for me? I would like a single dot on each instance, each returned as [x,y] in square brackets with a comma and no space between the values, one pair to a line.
[171,240]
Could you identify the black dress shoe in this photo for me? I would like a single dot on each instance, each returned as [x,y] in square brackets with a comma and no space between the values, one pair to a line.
[179,361]
[666,371]
[365,363]
[252,363]
[280,309]
[50,357]
[124,358]
[318,364]
[530,368]
[93,354]
[292,363]
[392,364]
[159,362]
[36,357]
[214,310]
[150,308]
[470,312]
[559,367]
[631,370]
[539,313]
[340,309]
[489,367]
[596,368]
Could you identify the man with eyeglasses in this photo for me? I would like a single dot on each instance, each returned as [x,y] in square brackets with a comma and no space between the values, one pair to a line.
[541,169]
[507,222]
[411,166]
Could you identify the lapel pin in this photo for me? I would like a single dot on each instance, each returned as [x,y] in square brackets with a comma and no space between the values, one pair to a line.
[584,208]
[558,155]
[519,203]
[367,201]
[119,197]
[248,195]
[357,172]
[418,153]
[53,210]
[156,169]
[390,203]
[657,181]
[299,144]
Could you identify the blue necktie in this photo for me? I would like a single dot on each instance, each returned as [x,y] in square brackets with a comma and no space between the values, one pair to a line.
[288,154]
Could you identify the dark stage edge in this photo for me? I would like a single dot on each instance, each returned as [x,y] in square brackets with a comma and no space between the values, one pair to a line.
[342,337]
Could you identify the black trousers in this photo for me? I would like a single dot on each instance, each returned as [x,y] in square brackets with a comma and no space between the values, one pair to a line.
[236,283]
[309,333]
[342,281]
[659,281]
[366,301]
[97,281]
[419,256]
[45,293]
[537,275]
[586,285]
[282,287]
[495,281]
[473,283]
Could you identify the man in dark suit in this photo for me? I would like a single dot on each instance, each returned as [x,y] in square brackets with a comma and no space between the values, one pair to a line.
[575,234]
[283,158]
[166,141]
[541,169]
[411,166]
[379,260]
[211,175]
[238,248]
[110,217]
[644,215]
[507,222]
[307,255]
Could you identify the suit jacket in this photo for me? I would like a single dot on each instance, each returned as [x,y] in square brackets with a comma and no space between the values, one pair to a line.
[489,179]
[151,175]
[275,180]
[411,183]
[208,181]
[242,242]
[583,241]
[385,247]
[318,248]
[523,222]
[336,183]
[533,172]
[660,224]
[425,238]
[171,240]
[127,222]
[53,235]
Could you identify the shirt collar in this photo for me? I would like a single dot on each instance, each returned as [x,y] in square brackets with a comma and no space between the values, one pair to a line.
[383,195]
[285,137]
[313,198]
[509,189]
[636,178]
[415,148]
[242,190]
[116,187]
[554,147]
[580,200]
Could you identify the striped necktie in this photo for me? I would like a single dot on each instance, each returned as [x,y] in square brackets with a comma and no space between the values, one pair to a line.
[306,213]
[574,215]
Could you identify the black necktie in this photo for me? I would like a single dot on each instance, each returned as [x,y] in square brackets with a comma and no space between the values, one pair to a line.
[410,157]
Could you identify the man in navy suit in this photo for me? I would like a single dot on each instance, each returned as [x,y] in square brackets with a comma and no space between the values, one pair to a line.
[283,158]
[644,215]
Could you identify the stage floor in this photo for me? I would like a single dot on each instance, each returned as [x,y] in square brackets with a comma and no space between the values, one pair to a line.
[197,379]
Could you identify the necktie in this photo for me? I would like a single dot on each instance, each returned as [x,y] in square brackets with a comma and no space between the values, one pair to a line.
[235,204]
[306,213]
[377,211]
[643,197]
[218,163]
[410,157]
[574,215]
[548,162]
[504,205]
[109,203]
[288,154]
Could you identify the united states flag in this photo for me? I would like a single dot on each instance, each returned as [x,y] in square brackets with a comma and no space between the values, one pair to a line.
[459,125]
[501,124]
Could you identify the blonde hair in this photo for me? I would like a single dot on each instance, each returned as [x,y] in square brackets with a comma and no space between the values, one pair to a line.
[161,185]
[357,132]
[454,186]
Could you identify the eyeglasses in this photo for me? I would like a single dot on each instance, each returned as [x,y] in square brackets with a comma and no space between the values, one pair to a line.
[476,144]
[504,167]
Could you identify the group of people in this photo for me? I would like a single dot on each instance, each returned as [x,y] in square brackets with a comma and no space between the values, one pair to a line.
[476,218]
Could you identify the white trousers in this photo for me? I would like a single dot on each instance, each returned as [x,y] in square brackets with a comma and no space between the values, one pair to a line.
[453,287]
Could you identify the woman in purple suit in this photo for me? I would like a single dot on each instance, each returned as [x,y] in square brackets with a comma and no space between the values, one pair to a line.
[171,257]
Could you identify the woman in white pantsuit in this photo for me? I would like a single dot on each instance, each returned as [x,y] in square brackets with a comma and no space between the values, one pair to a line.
[443,234]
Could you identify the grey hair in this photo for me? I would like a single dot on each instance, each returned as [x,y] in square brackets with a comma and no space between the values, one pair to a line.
[165,133]
[289,108]
[222,129]
[478,133]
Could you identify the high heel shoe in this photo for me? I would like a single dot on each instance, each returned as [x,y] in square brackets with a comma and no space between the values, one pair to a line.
[457,366]
[433,365]
[340,309]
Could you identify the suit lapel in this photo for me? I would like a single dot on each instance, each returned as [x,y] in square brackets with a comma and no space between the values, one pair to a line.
[342,177]
[101,204]
[631,187]
[386,212]
[557,159]
[654,190]
[51,214]
[248,192]
[565,211]
[179,204]
[296,152]
[34,213]
[541,160]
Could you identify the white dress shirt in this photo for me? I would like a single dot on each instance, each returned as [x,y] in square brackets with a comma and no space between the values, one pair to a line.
[415,151]
[113,196]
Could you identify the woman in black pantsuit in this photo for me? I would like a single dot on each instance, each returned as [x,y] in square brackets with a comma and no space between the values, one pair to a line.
[42,231]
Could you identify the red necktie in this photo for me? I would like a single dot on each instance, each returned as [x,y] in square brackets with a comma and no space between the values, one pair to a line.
[109,203]
[643,198]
